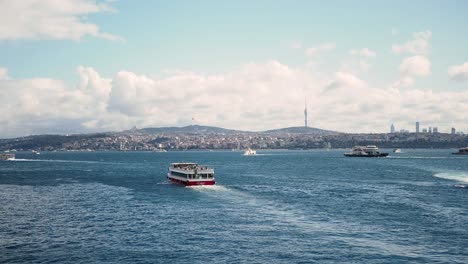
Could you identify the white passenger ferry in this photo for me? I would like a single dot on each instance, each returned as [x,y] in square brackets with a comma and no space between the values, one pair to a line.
[190,174]
[365,151]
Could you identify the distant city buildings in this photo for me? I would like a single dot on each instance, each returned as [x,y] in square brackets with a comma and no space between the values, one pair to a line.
[419,129]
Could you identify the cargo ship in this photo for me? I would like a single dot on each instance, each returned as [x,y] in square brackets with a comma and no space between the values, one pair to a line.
[191,174]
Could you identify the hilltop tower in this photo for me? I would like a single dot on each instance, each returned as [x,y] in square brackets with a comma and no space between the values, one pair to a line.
[305,112]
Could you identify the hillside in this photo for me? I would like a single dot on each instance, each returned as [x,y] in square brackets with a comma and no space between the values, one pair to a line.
[193,129]
[302,130]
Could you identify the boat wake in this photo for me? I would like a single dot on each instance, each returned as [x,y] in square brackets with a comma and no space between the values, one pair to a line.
[65,161]
[416,157]
[454,176]
[204,188]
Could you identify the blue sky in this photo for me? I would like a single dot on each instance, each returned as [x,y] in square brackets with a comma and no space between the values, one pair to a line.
[160,39]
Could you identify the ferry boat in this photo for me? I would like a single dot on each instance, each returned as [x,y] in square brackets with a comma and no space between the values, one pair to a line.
[365,151]
[7,156]
[191,174]
[250,152]
[462,151]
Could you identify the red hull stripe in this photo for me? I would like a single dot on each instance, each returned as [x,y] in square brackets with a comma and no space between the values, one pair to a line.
[192,183]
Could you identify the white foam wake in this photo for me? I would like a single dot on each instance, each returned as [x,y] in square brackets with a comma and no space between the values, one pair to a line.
[459,176]
[209,188]
[52,160]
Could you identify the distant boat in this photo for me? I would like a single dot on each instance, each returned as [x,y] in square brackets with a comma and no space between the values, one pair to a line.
[250,152]
[160,150]
[7,156]
[35,152]
[365,151]
[397,150]
[462,151]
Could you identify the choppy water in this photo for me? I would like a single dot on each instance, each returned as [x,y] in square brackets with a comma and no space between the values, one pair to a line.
[284,207]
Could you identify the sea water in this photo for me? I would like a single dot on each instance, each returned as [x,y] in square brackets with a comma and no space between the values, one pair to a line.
[276,207]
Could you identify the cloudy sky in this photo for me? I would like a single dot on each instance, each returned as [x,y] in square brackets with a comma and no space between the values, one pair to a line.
[73,66]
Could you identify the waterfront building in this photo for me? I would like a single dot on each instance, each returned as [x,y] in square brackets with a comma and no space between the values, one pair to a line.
[417,127]
[435,130]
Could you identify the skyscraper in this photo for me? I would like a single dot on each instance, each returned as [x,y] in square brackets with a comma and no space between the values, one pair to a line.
[305,112]
[392,129]
[453,131]
[435,130]
[417,127]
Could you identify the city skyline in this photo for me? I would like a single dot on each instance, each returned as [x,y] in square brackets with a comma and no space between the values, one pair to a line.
[79,66]
[447,130]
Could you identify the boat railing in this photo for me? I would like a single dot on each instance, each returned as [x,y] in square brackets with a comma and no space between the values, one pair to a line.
[198,168]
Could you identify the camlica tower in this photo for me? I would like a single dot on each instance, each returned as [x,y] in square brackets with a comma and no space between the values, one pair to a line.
[305,112]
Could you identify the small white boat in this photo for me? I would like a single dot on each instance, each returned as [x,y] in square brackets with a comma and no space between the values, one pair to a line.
[160,150]
[397,150]
[250,152]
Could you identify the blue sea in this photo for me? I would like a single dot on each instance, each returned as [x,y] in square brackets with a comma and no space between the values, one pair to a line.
[276,207]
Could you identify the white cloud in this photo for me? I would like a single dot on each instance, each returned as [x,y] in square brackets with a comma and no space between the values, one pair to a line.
[324,47]
[415,66]
[295,44]
[51,19]
[3,73]
[255,96]
[345,80]
[359,61]
[404,81]
[459,72]
[411,67]
[418,45]
[365,52]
